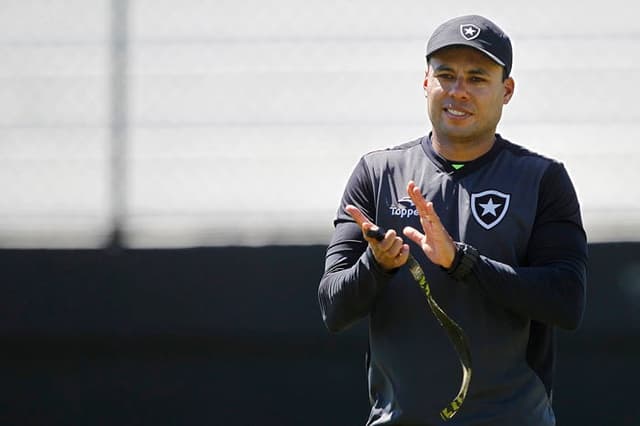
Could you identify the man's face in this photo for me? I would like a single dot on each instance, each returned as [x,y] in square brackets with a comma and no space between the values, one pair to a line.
[465,94]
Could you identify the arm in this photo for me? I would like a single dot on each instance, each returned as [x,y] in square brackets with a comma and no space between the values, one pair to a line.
[356,267]
[352,278]
[550,288]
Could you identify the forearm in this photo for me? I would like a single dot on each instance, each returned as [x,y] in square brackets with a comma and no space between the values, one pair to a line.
[351,281]
[553,293]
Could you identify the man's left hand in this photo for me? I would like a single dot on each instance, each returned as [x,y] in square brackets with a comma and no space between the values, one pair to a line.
[436,243]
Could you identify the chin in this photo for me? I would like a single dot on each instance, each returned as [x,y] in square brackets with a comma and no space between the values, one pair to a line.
[457,133]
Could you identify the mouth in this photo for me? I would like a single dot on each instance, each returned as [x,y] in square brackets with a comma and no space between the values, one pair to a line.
[456,113]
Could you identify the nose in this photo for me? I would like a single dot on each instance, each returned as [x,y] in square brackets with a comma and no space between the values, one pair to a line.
[458,88]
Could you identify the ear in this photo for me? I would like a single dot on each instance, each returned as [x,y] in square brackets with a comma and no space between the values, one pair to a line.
[509,88]
[425,81]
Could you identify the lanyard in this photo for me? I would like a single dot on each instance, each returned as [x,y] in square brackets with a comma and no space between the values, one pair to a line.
[454,331]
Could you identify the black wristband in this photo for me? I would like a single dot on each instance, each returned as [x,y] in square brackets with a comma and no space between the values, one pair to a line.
[464,261]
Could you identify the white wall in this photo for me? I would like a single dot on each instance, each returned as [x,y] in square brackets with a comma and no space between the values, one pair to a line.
[246,117]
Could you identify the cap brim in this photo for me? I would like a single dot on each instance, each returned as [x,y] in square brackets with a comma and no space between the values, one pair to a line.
[490,55]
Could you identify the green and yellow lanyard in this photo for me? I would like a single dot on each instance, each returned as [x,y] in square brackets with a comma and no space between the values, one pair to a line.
[454,331]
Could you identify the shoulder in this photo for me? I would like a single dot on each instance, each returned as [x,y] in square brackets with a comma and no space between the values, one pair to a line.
[518,151]
[397,151]
[374,164]
[524,159]
[551,167]
[556,191]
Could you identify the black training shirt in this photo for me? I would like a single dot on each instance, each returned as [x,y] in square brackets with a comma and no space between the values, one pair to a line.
[520,211]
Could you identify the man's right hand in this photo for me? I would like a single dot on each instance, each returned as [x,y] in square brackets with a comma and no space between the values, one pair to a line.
[391,252]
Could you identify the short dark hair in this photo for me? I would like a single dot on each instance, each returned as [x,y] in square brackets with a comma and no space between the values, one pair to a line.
[505,74]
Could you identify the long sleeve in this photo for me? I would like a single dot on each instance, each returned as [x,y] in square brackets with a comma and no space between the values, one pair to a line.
[550,287]
[351,280]
[352,277]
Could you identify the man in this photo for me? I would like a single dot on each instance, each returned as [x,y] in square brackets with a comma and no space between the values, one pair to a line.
[497,231]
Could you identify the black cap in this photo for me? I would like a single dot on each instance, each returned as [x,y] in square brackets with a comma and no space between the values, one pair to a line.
[477,32]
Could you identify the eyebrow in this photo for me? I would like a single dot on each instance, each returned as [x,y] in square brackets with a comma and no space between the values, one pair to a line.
[479,71]
[473,71]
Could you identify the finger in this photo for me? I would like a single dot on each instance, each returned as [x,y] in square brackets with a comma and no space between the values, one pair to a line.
[432,215]
[395,247]
[420,239]
[414,235]
[416,196]
[389,240]
[396,257]
[364,223]
[390,246]
[404,254]
[401,258]
[424,207]
[357,215]
[429,219]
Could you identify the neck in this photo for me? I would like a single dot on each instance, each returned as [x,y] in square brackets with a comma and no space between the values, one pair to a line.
[462,149]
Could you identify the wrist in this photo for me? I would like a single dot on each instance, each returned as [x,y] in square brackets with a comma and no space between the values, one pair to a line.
[378,267]
[465,259]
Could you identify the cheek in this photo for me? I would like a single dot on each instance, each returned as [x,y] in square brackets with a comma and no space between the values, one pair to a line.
[500,101]
[432,104]
[433,92]
[432,85]
[494,100]
[493,108]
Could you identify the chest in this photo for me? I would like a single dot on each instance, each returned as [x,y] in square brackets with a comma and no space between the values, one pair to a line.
[493,210]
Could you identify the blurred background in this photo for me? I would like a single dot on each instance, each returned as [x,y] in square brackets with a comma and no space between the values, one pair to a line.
[169,172]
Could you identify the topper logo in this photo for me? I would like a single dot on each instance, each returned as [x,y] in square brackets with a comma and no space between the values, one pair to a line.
[404,208]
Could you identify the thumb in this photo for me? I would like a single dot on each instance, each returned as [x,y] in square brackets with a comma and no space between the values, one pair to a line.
[414,235]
